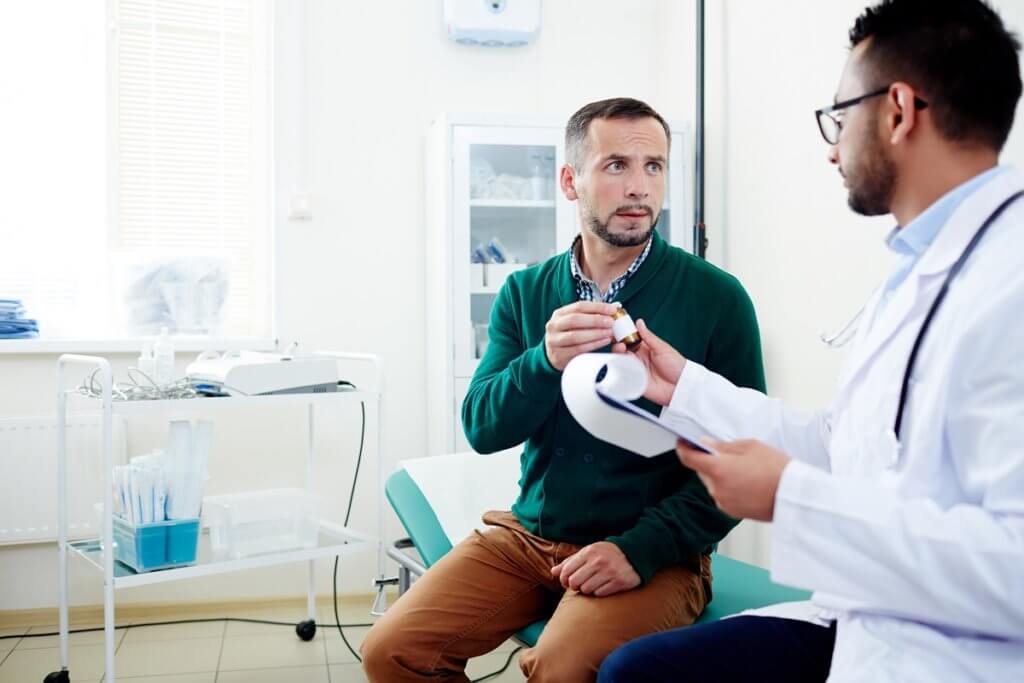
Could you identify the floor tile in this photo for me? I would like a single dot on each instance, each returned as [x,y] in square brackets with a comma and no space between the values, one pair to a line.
[347,673]
[155,658]
[210,629]
[27,666]
[208,677]
[337,653]
[8,644]
[271,651]
[304,674]
[90,638]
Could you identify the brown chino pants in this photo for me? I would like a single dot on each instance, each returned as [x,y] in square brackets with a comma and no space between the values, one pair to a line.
[498,581]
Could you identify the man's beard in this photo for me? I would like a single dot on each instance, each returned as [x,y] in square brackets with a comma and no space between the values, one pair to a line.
[872,181]
[630,239]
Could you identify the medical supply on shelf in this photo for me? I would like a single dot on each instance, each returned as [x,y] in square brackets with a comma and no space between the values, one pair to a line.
[159,545]
[146,363]
[624,329]
[165,484]
[13,323]
[497,251]
[163,352]
[259,522]
[252,373]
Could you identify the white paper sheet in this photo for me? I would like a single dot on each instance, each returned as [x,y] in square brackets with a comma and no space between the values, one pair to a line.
[623,425]
[463,486]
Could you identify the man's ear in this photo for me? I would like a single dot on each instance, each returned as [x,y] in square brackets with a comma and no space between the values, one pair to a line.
[567,181]
[902,114]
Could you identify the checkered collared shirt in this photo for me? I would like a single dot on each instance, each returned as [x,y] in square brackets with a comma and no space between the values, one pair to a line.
[587,289]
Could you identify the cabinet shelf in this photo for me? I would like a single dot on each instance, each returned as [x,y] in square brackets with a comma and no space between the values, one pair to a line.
[333,540]
[512,203]
[207,404]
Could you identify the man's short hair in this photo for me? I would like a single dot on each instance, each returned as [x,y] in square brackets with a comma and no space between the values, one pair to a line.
[956,53]
[576,147]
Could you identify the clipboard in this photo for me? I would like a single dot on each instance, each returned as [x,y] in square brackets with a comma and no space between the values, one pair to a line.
[686,430]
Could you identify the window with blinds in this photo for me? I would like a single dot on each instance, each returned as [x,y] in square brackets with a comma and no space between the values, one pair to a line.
[145,168]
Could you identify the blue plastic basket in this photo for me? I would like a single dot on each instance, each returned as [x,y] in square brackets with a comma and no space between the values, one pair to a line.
[161,545]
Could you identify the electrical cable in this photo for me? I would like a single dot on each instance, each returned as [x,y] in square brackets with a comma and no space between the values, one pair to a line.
[348,515]
[174,623]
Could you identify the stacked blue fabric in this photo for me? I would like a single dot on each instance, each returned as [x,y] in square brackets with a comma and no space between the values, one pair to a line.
[13,323]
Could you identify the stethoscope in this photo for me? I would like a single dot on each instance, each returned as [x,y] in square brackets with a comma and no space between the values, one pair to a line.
[843,336]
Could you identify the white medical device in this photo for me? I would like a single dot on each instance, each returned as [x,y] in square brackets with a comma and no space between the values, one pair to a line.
[252,373]
[492,23]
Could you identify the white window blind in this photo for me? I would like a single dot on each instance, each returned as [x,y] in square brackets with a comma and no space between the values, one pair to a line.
[176,230]
[192,148]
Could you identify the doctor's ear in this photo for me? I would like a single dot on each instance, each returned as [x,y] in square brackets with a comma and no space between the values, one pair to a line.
[903,111]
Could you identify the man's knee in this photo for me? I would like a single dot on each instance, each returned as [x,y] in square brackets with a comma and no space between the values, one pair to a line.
[562,663]
[386,652]
[375,651]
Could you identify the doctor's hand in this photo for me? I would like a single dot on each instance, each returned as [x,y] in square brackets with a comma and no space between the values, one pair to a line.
[742,476]
[576,329]
[664,364]
[598,569]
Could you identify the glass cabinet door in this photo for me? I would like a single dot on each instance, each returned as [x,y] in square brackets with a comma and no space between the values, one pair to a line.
[506,206]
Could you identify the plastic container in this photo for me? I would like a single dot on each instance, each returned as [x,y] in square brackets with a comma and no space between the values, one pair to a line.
[161,545]
[163,353]
[260,522]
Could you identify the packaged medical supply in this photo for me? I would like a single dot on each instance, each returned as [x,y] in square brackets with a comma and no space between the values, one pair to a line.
[158,545]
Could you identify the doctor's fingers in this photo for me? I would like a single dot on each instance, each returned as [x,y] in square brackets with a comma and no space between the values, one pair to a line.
[698,461]
[652,340]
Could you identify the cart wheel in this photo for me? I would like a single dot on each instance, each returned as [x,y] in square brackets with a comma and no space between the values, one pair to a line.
[58,677]
[306,629]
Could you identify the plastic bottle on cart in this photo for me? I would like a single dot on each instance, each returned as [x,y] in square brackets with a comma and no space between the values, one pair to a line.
[163,350]
[147,362]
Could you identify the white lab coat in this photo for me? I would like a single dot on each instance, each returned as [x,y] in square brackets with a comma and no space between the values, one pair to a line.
[916,551]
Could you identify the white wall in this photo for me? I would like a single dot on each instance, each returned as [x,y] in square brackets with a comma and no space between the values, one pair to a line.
[357,85]
[806,259]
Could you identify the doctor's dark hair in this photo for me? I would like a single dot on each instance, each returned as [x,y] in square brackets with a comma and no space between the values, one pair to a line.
[576,147]
[958,56]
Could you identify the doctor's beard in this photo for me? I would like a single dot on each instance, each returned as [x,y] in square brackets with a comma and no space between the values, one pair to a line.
[871,181]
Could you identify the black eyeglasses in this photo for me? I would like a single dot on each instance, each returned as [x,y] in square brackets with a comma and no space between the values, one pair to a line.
[830,125]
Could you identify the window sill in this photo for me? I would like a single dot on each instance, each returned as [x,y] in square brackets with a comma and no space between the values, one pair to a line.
[131,345]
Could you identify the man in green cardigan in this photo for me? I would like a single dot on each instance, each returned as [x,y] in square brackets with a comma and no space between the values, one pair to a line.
[608,544]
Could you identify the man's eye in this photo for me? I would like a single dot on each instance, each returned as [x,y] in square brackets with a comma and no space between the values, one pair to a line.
[615,166]
[654,167]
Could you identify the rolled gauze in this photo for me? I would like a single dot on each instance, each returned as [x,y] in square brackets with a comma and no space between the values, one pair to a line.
[625,378]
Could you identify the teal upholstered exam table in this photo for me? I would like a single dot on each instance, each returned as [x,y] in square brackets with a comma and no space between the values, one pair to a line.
[737,585]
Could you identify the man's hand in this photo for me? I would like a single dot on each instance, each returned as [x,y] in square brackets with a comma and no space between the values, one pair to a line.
[576,329]
[664,364]
[598,569]
[742,476]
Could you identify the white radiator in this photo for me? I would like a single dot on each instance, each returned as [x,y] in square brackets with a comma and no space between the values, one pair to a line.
[28,476]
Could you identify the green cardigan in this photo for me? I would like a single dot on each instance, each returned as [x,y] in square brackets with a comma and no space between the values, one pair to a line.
[575,488]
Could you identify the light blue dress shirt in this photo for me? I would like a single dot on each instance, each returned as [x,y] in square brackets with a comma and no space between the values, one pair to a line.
[912,241]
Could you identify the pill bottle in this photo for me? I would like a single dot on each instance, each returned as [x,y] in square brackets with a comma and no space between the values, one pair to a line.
[624,329]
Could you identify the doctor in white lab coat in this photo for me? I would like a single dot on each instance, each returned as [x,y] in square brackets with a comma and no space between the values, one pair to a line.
[913,546]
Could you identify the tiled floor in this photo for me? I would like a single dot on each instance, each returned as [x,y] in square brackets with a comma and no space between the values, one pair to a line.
[218,652]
